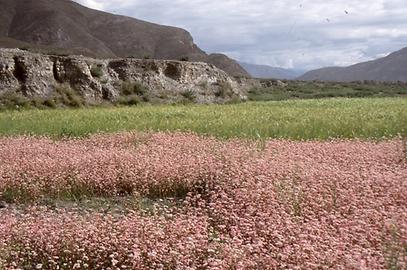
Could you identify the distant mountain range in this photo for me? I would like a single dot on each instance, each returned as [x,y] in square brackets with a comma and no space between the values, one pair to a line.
[391,68]
[67,26]
[269,72]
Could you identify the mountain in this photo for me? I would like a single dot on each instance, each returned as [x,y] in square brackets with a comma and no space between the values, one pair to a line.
[266,72]
[391,68]
[66,25]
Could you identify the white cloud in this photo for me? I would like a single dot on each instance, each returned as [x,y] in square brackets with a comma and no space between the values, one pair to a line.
[100,5]
[287,33]
[380,55]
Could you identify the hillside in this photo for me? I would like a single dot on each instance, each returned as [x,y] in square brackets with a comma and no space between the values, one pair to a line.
[266,72]
[391,68]
[63,24]
[38,80]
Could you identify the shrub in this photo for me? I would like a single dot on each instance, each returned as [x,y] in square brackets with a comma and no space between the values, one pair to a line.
[50,103]
[129,100]
[63,95]
[96,71]
[225,90]
[135,90]
[146,98]
[189,95]
[67,96]
[184,59]
[203,84]
[235,100]
[164,95]
[13,100]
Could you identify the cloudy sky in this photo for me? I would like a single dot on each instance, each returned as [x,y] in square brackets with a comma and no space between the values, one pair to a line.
[301,34]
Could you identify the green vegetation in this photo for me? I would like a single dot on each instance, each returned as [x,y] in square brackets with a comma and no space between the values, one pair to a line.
[133,93]
[302,119]
[184,58]
[315,90]
[96,71]
[13,100]
[67,96]
[63,96]
[225,90]
[189,96]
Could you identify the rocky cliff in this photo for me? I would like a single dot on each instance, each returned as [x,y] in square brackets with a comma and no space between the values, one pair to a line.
[98,80]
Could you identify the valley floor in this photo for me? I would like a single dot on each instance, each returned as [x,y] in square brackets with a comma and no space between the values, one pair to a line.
[370,118]
[207,199]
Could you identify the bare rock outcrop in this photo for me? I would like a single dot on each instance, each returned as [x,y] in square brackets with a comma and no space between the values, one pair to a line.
[97,80]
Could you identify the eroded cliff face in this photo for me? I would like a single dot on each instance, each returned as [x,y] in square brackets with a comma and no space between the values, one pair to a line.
[98,80]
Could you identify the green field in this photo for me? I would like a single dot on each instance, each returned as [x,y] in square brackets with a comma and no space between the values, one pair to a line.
[295,119]
[316,90]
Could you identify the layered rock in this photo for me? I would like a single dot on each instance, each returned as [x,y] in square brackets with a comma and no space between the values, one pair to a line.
[37,75]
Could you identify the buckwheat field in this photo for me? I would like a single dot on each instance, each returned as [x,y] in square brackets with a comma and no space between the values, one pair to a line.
[206,187]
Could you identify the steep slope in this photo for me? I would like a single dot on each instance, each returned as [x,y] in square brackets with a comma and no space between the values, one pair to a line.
[34,75]
[268,72]
[68,25]
[391,68]
[227,64]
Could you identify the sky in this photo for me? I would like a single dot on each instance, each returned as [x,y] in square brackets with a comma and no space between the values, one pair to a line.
[296,34]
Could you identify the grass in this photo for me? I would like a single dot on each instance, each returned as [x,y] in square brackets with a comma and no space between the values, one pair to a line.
[315,90]
[299,119]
